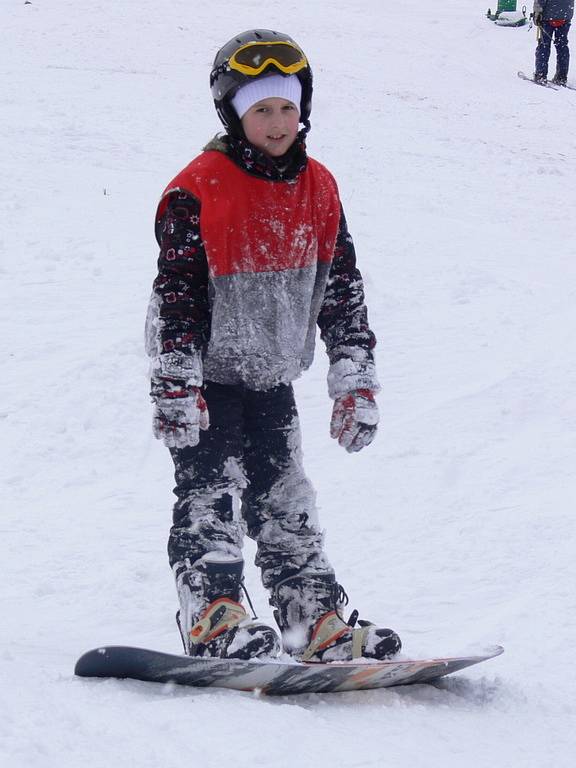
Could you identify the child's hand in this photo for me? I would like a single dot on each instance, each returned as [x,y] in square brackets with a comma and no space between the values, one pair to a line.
[180,412]
[354,419]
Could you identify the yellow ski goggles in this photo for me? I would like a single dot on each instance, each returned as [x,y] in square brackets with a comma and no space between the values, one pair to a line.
[253,58]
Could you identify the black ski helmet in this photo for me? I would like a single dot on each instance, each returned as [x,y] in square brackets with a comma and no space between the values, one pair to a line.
[226,80]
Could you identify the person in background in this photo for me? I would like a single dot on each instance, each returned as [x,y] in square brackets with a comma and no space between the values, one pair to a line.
[553,18]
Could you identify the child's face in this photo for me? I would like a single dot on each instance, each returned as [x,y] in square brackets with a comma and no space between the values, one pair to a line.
[272,125]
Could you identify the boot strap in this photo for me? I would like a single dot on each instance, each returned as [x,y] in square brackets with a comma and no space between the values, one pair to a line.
[359,642]
[330,629]
[219,616]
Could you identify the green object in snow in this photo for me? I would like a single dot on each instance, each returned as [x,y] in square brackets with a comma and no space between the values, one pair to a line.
[506,14]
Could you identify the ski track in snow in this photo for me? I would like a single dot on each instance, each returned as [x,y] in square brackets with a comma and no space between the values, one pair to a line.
[455,527]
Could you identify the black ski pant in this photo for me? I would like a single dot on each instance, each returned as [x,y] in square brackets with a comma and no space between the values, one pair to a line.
[560,37]
[246,475]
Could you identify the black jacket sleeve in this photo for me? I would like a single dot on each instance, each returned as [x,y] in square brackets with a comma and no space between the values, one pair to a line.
[343,318]
[180,289]
[343,322]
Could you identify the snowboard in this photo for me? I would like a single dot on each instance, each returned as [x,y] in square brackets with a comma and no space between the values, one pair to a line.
[271,677]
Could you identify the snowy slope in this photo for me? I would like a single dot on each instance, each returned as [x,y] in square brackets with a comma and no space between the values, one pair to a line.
[455,527]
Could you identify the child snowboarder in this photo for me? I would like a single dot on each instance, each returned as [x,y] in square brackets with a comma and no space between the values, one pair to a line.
[254,251]
[553,19]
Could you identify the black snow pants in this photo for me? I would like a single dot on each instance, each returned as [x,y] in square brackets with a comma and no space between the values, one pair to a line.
[560,37]
[246,475]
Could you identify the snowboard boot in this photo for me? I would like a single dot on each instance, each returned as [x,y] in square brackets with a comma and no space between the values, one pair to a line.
[335,640]
[212,621]
[559,79]
[308,612]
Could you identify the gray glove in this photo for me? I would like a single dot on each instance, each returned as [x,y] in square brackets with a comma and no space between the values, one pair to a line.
[180,412]
[354,420]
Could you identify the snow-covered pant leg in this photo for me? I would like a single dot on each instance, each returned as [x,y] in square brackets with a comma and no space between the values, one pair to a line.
[208,476]
[278,504]
[252,449]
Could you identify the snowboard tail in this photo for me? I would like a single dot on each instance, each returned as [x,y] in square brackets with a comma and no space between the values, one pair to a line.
[273,678]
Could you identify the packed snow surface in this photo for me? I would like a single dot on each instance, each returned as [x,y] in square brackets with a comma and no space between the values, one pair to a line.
[456,527]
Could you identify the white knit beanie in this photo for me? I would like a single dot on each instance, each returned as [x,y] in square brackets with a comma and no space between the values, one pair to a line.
[288,88]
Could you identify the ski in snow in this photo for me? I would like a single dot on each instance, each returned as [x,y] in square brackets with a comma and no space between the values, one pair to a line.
[546,84]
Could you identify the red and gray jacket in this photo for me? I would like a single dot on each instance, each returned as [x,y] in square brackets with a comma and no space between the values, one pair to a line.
[252,257]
